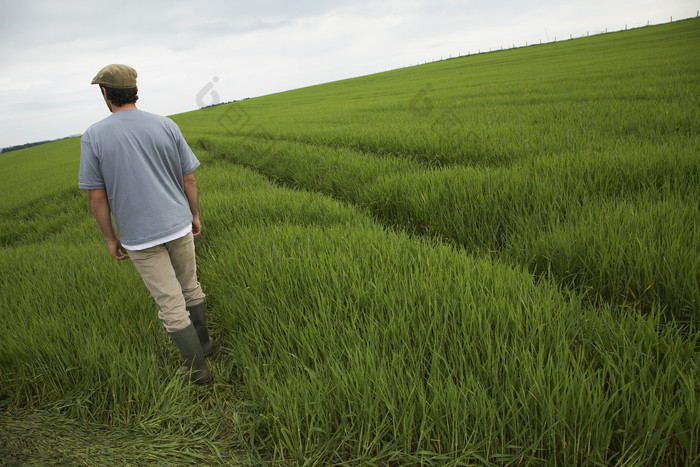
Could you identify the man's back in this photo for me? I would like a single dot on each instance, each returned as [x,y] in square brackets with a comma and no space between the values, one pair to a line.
[140,159]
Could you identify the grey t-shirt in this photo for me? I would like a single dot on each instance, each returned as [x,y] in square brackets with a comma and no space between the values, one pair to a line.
[140,159]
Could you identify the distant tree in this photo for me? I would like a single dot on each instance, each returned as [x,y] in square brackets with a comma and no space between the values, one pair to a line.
[29,145]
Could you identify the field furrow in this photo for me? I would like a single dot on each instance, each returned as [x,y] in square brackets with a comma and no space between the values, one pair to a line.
[625,217]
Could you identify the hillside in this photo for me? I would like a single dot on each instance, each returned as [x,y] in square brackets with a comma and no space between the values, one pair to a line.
[486,260]
[554,157]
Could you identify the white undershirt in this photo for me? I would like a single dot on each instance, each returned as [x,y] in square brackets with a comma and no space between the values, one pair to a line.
[160,241]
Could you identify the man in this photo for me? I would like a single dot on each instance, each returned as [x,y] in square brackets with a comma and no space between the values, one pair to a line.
[138,167]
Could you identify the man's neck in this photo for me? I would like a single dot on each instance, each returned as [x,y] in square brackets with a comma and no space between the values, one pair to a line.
[116,109]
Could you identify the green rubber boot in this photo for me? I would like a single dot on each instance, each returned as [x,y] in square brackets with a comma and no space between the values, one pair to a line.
[187,341]
[198,316]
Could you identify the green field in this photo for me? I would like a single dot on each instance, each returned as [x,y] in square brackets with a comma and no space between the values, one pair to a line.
[487,260]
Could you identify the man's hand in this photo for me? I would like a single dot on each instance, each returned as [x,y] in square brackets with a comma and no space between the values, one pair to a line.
[116,249]
[196,227]
[100,209]
[193,200]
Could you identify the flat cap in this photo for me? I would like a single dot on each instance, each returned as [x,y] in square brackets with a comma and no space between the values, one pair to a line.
[116,76]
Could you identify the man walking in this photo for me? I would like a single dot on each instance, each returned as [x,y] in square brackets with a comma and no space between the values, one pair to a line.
[138,167]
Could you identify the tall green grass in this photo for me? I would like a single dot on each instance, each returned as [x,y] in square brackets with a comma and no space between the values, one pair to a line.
[592,141]
[370,348]
[365,346]
[81,341]
[395,288]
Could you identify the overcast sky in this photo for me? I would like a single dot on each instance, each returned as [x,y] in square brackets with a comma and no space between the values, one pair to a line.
[189,53]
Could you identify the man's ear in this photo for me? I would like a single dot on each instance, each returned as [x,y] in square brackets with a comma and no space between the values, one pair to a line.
[107,101]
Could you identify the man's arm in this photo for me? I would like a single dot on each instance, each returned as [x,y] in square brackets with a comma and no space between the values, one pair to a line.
[193,199]
[100,209]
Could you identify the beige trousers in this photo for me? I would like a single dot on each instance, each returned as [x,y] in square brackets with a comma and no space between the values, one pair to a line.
[170,274]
